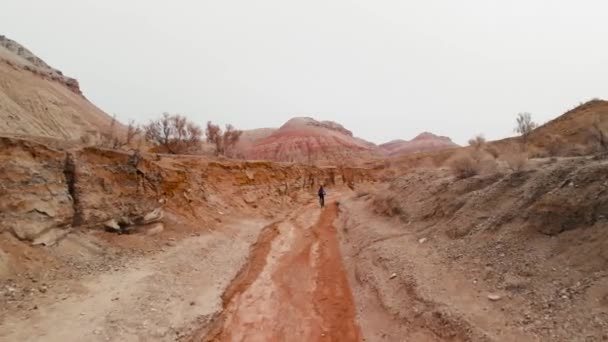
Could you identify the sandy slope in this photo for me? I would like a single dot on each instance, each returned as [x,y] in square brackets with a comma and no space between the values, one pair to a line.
[38,100]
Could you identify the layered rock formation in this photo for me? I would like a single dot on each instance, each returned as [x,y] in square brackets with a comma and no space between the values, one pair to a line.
[46,190]
[310,141]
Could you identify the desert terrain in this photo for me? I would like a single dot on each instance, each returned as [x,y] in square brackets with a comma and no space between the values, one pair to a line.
[419,240]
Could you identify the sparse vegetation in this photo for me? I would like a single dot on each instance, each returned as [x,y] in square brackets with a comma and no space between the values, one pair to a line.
[111,138]
[525,125]
[464,166]
[174,133]
[478,142]
[224,141]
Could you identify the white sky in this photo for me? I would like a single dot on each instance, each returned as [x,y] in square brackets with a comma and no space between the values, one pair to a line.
[384,69]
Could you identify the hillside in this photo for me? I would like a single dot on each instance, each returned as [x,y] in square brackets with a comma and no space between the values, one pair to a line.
[38,100]
[573,130]
[308,140]
[422,143]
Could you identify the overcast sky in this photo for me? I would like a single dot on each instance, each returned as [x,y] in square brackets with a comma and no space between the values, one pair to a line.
[384,69]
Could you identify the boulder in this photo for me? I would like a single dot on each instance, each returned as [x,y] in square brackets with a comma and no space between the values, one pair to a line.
[28,230]
[112,225]
[51,237]
[151,217]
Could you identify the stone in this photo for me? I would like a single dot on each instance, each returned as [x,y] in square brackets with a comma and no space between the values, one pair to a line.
[51,237]
[423,240]
[393,276]
[151,217]
[112,225]
[494,297]
[28,230]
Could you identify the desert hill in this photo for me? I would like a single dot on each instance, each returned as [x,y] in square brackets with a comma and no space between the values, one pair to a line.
[423,142]
[38,100]
[303,139]
[572,132]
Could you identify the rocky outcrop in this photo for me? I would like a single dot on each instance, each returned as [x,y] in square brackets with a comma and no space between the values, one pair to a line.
[17,55]
[423,142]
[306,140]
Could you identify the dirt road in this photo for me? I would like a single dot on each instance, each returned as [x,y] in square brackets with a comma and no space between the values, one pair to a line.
[294,287]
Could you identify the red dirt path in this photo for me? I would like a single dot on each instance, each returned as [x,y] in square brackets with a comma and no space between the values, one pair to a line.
[300,292]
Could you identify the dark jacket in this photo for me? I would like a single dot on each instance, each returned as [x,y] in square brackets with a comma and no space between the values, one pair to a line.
[321,192]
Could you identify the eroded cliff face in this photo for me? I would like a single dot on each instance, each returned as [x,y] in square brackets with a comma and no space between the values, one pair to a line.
[49,192]
[35,196]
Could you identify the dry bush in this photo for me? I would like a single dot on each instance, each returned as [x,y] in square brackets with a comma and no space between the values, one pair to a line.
[86,139]
[174,133]
[111,138]
[525,125]
[224,141]
[387,204]
[478,142]
[516,161]
[464,166]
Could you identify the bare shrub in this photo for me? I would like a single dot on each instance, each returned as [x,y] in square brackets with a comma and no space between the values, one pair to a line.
[464,166]
[389,205]
[111,138]
[133,131]
[224,141]
[174,133]
[516,161]
[86,139]
[525,125]
[478,142]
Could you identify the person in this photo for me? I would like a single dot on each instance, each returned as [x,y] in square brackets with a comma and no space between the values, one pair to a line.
[322,196]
